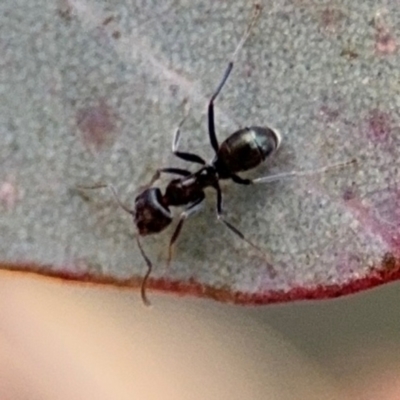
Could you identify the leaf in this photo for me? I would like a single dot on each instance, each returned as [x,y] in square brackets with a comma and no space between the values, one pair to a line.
[93,92]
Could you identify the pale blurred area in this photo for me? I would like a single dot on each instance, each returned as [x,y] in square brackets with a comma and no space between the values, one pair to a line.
[72,341]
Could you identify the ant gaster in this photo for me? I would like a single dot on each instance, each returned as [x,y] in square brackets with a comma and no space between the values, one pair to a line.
[241,151]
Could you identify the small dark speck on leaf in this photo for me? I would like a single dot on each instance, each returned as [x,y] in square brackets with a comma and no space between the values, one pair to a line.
[65,10]
[173,89]
[108,20]
[81,193]
[97,124]
[379,125]
[329,113]
[389,262]
[330,18]
[248,69]
[349,53]
[116,34]
[349,193]
[385,43]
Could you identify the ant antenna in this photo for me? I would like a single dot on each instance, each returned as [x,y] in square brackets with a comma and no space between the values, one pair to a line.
[256,14]
[292,174]
[211,128]
[177,135]
[190,210]
[236,231]
[113,191]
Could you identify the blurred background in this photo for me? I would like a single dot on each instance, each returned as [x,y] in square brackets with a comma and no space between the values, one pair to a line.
[84,84]
[70,341]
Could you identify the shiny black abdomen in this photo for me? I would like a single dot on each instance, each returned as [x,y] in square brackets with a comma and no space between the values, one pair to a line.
[245,149]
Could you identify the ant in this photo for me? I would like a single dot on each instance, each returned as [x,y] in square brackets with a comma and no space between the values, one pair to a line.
[242,150]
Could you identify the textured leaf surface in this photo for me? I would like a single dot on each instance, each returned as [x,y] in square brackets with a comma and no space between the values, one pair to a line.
[91,91]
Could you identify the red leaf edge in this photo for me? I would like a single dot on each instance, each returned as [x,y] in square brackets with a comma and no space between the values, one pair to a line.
[388,271]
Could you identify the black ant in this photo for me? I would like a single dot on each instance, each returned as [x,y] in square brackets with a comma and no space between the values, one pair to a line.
[241,151]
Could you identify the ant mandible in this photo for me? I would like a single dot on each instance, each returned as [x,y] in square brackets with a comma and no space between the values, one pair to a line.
[241,151]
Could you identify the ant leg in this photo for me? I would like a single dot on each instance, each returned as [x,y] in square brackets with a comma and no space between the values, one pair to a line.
[236,231]
[128,210]
[176,171]
[228,224]
[190,210]
[293,174]
[157,174]
[241,181]
[145,300]
[113,191]
[147,260]
[183,155]
[211,123]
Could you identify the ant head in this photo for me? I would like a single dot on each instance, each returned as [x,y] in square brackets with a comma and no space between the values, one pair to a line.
[151,215]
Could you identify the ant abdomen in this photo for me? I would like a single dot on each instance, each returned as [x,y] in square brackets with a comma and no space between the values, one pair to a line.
[246,149]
